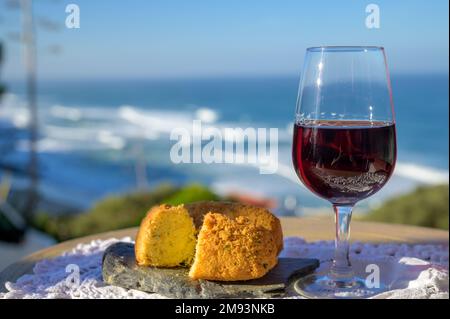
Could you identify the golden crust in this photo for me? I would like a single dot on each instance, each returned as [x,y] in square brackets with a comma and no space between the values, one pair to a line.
[259,217]
[233,249]
[166,237]
[142,237]
[235,241]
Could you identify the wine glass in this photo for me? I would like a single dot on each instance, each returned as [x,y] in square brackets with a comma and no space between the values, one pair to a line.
[344,148]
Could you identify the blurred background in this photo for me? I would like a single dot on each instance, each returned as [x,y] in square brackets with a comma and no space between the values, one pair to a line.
[86,113]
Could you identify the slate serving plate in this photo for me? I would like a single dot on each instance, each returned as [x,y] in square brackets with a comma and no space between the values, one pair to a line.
[119,268]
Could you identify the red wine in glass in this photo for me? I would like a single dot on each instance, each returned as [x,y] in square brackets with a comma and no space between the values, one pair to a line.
[344,161]
[344,150]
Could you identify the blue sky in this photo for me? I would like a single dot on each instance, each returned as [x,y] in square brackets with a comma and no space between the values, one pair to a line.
[179,38]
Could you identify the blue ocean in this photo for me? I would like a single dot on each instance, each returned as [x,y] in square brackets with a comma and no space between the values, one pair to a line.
[112,136]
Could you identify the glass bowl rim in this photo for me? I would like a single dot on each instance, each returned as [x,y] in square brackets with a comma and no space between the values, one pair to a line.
[349,48]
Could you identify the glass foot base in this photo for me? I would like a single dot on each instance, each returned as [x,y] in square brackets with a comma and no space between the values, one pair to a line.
[324,287]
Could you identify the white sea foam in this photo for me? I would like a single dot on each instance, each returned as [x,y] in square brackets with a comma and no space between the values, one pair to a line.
[12,108]
[422,174]
[155,121]
[418,173]
[206,115]
[97,128]
[67,113]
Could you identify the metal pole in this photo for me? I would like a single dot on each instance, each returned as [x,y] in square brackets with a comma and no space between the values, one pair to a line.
[30,67]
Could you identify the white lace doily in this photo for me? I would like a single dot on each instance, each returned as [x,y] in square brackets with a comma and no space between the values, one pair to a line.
[413,271]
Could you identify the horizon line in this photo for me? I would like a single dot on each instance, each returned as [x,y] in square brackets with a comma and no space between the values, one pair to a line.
[201,76]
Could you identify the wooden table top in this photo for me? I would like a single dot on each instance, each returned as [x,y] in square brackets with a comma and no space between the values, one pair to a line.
[310,228]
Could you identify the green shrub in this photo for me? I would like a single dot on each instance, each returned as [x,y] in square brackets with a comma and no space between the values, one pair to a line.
[426,206]
[117,212]
[189,194]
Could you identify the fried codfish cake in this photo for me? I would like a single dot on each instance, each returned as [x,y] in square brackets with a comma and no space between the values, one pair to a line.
[235,241]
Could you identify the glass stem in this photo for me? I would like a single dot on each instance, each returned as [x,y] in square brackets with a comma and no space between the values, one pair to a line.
[341,269]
